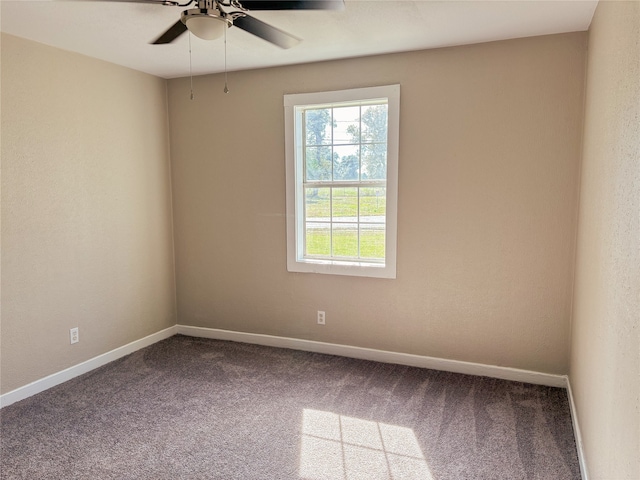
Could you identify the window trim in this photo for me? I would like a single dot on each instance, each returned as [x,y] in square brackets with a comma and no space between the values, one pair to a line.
[294,184]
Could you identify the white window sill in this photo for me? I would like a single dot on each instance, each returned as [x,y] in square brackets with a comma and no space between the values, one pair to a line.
[336,267]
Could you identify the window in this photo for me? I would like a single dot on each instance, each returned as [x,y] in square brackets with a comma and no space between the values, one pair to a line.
[342,177]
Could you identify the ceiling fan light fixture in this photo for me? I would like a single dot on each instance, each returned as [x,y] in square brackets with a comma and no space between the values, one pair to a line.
[205,24]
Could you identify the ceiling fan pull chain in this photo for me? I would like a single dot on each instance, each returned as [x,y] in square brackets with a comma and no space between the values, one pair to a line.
[190,69]
[226,90]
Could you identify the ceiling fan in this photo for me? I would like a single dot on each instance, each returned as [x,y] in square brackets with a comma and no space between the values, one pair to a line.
[209,19]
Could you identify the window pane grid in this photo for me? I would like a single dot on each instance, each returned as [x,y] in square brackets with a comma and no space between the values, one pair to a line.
[336,227]
[344,182]
[321,148]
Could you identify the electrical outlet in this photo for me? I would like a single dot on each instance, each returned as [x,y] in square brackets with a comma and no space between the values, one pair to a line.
[321,317]
[74,335]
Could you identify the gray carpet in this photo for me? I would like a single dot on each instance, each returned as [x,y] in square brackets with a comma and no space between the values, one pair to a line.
[189,408]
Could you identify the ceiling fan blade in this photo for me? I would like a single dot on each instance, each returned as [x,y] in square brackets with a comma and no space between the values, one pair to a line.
[170,35]
[293,4]
[266,32]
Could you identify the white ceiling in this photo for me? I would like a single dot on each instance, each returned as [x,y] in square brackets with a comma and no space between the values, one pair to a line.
[120,32]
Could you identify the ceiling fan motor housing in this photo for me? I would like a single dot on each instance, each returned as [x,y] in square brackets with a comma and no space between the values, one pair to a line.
[207,21]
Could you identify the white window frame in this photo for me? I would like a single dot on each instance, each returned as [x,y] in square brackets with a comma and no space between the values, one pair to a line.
[293,104]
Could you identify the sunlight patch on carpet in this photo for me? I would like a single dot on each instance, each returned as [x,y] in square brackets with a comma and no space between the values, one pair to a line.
[337,447]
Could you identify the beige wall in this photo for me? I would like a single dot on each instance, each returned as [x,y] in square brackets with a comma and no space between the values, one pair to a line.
[605,355]
[86,209]
[490,140]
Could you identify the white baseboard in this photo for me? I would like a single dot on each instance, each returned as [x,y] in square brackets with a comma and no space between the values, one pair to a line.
[456,366]
[576,432]
[84,367]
